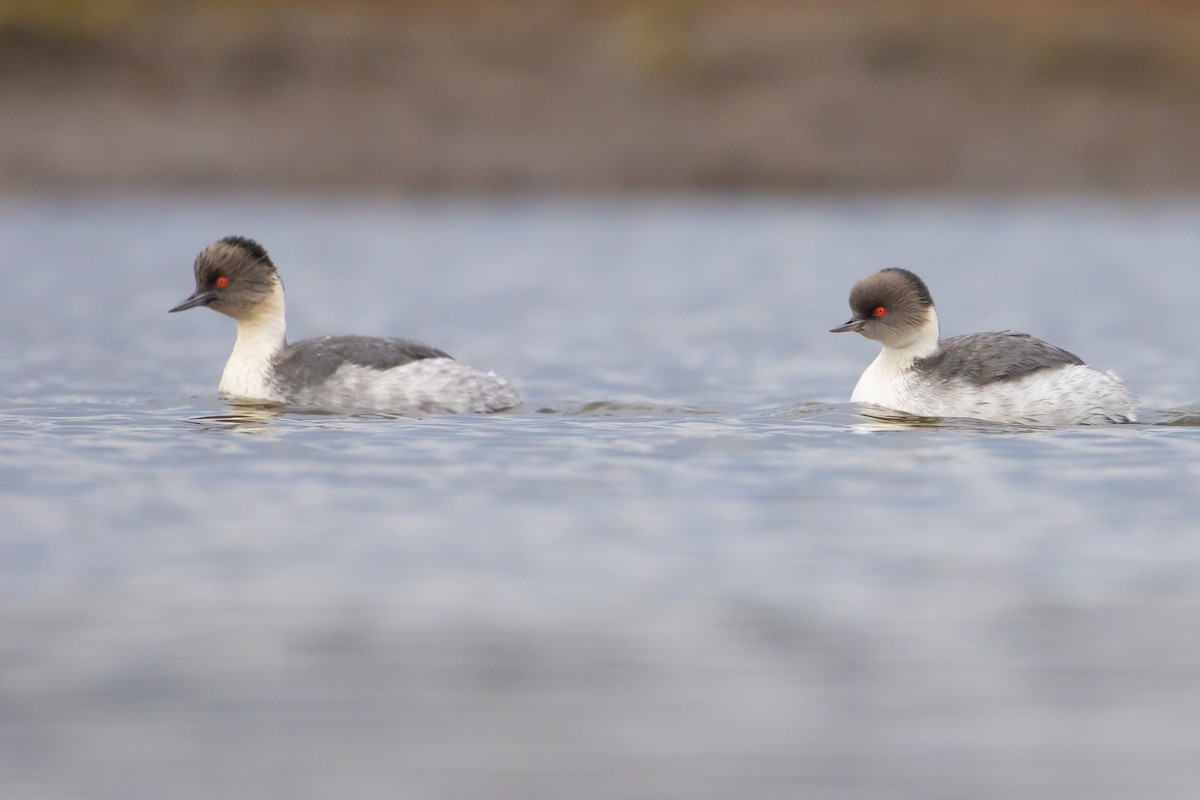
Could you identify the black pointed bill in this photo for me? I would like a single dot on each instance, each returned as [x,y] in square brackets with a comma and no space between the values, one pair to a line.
[201,297]
[854,325]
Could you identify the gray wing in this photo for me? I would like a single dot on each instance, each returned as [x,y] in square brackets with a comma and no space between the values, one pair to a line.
[311,361]
[981,358]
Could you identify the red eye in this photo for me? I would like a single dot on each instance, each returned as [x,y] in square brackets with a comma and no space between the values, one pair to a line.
[880,311]
[222,282]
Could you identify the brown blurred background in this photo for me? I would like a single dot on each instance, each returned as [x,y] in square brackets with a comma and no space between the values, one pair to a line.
[470,95]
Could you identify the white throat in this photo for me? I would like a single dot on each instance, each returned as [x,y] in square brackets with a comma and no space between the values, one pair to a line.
[924,341]
[260,337]
[886,381]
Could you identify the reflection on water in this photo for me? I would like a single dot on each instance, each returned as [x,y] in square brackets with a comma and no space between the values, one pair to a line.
[685,568]
[611,408]
[1186,416]
[257,418]
[247,418]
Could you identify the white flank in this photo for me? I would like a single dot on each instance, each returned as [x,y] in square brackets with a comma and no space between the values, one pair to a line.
[430,385]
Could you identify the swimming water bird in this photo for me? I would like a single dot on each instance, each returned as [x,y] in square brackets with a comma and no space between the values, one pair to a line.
[236,277]
[999,377]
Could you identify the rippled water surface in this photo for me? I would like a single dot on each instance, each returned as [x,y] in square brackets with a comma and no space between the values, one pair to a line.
[685,568]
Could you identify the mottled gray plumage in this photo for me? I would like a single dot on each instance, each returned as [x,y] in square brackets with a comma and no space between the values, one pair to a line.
[983,358]
[311,361]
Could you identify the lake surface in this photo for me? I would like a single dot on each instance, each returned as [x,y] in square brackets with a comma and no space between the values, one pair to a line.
[684,568]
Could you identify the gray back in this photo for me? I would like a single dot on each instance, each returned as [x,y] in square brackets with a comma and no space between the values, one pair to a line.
[312,361]
[982,358]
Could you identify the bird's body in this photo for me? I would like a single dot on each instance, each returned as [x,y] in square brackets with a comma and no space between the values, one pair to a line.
[1001,377]
[340,373]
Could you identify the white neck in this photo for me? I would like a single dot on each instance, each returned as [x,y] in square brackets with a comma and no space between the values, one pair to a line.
[259,338]
[924,342]
[884,381]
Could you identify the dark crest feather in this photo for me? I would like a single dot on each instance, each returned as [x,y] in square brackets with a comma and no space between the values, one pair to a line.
[252,248]
[915,282]
[888,287]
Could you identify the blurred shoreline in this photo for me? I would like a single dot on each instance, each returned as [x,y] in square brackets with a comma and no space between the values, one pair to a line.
[867,95]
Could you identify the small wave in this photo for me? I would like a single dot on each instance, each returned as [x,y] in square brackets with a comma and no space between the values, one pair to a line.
[616,408]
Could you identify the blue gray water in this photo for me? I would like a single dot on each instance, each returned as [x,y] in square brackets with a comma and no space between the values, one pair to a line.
[685,568]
